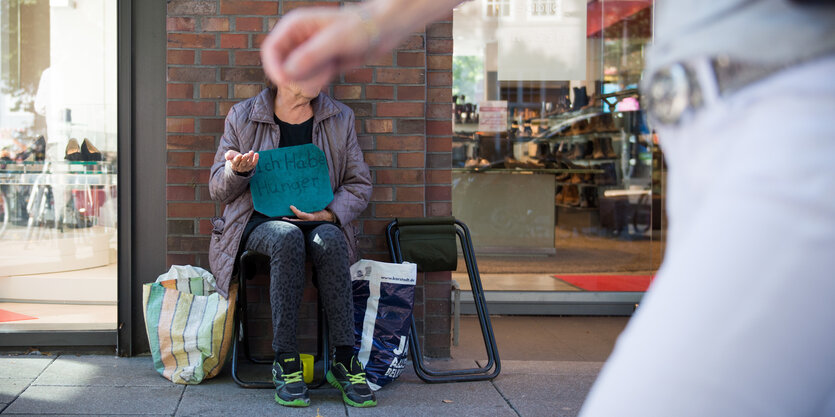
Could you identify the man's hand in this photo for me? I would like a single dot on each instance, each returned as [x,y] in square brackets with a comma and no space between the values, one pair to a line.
[321,215]
[242,163]
[321,41]
[315,42]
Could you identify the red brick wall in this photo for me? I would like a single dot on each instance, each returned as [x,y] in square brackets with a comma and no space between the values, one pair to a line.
[402,103]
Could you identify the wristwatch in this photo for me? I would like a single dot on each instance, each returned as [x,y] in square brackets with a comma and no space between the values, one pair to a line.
[682,88]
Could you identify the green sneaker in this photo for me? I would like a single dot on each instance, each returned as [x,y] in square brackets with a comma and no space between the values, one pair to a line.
[290,389]
[352,383]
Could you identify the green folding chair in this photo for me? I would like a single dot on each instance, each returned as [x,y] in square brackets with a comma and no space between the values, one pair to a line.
[429,242]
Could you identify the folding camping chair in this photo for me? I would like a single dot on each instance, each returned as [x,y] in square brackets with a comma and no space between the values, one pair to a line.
[322,344]
[430,243]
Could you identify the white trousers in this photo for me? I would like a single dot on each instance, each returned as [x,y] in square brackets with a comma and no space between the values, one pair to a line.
[741,318]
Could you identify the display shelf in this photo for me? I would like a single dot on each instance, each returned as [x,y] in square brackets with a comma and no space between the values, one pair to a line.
[528,171]
[576,161]
[568,206]
[581,137]
[75,179]
[585,184]
[57,167]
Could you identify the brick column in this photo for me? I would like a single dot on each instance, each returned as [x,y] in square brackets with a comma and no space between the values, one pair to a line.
[402,104]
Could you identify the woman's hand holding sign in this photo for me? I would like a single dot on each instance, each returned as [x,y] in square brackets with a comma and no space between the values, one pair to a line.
[321,215]
[242,163]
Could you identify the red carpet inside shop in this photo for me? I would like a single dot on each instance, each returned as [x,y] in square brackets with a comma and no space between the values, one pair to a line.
[6,315]
[623,283]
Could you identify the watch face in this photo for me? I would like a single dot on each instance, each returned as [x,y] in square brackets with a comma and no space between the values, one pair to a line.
[669,94]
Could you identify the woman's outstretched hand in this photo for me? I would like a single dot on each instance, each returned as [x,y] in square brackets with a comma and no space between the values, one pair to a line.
[321,215]
[242,163]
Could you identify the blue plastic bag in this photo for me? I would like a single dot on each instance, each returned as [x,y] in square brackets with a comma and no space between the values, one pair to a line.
[384,295]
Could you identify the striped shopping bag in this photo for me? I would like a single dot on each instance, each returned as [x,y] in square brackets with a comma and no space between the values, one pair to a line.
[190,326]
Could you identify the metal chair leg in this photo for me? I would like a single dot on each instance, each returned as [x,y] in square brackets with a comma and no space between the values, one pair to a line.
[241,330]
[493,366]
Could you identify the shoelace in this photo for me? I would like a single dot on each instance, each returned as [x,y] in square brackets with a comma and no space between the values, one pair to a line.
[357,378]
[294,377]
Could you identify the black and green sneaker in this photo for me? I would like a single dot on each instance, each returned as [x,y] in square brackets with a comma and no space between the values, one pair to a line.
[352,383]
[290,389]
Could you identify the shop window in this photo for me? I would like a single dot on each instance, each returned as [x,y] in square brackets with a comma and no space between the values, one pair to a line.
[58,165]
[554,166]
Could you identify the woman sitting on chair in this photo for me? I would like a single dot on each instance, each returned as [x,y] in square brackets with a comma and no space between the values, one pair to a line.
[281,116]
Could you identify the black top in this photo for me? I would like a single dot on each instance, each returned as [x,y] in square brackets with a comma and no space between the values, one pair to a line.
[294,135]
[291,135]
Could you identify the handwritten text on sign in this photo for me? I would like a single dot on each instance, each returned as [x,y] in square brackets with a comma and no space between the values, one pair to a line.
[295,175]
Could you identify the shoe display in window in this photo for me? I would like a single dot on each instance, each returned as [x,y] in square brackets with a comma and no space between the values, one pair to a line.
[598,152]
[89,152]
[572,195]
[39,148]
[563,176]
[608,177]
[512,163]
[581,150]
[608,148]
[588,197]
[560,197]
[73,151]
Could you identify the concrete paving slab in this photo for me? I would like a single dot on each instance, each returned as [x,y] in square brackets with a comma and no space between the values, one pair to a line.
[92,415]
[549,367]
[91,400]
[222,397]
[102,370]
[434,411]
[10,388]
[418,398]
[20,366]
[541,395]
[409,374]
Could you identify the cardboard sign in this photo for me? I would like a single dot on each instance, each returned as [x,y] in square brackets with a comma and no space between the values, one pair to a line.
[295,175]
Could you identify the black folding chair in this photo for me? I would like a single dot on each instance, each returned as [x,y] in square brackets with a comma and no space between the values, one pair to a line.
[430,243]
[322,344]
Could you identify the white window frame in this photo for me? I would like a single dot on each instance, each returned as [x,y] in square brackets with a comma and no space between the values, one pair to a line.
[557,15]
[499,5]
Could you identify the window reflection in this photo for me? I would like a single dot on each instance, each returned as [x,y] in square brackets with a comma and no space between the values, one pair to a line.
[554,167]
[58,170]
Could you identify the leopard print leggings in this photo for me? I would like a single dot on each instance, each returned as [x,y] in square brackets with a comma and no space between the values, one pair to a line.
[286,244]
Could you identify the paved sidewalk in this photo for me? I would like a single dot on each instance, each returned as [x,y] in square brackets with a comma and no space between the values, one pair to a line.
[106,385]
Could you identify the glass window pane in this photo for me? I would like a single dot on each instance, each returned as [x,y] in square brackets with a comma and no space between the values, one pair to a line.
[554,167]
[58,165]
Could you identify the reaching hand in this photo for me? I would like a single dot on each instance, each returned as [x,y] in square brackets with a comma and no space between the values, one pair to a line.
[321,215]
[319,42]
[242,163]
[316,42]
